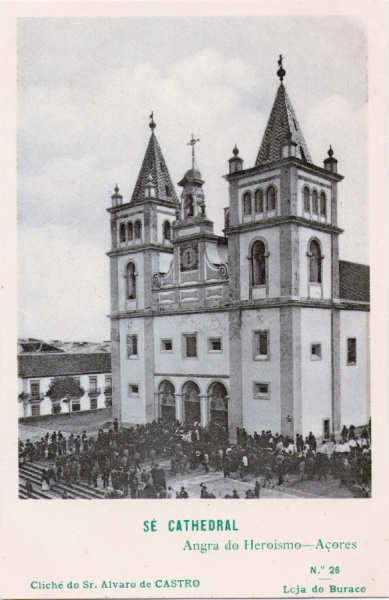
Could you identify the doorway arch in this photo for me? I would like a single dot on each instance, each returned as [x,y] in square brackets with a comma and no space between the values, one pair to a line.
[191,397]
[218,404]
[167,400]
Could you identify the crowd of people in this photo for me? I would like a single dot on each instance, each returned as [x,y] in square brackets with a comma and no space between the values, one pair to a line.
[126,462]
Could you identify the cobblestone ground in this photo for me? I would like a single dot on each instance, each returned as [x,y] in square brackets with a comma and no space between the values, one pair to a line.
[74,422]
[221,486]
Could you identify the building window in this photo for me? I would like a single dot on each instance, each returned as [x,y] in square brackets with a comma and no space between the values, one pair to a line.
[133,389]
[259,201]
[315,351]
[167,345]
[138,230]
[261,345]
[130,232]
[122,231]
[271,198]
[35,390]
[56,408]
[258,259]
[307,206]
[166,230]
[351,351]
[76,406]
[132,346]
[162,166]
[93,403]
[315,203]
[315,260]
[190,345]
[323,205]
[35,410]
[93,384]
[131,281]
[214,344]
[247,203]
[108,384]
[167,190]
[261,390]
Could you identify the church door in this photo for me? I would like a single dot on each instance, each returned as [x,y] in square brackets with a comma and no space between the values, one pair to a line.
[167,401]
[218,404]
[191,395]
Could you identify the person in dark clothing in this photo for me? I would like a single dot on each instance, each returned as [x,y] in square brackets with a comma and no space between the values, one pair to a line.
[257,489]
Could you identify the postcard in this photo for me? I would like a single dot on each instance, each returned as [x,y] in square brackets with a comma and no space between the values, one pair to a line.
[195,301]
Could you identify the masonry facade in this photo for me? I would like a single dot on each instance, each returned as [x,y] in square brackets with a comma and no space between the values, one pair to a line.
[263,327]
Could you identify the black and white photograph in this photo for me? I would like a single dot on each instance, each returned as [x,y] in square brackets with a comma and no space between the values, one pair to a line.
[193,258]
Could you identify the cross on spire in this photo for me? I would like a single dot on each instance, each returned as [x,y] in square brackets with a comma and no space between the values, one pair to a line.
[193,141]
[281,71]
[152,123]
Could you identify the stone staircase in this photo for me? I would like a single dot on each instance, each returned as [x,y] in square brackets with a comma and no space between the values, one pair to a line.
[33,472]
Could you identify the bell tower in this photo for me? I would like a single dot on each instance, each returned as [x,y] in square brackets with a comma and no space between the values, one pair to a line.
[141,233]
[283,240]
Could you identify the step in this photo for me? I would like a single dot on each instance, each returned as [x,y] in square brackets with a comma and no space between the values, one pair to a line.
[79,486]
[79,491]
[58,488]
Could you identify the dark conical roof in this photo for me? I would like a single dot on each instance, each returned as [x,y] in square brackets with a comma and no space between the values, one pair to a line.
[155,164]
[281,126]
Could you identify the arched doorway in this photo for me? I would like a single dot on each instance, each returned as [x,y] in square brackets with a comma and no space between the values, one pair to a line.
[167,400]
[191,397]
[218,404]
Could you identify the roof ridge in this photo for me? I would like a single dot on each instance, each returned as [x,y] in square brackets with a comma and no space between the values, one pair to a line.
[281,125]
[154,163]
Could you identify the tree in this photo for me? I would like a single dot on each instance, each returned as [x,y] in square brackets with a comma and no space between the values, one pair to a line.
[64,387]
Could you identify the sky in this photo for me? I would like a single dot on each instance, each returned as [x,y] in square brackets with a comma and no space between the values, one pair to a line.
[86,88]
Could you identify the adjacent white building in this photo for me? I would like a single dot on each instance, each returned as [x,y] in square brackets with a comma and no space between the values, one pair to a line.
[36,371]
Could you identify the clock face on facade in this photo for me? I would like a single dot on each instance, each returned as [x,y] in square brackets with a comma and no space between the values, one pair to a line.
[188,258]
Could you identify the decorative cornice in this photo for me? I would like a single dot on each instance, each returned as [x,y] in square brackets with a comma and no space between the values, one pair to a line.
[249,305]
[280,220]
[282,162]
[139,248]
[127,205]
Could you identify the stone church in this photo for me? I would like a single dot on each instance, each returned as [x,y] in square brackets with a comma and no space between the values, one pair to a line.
[263,327]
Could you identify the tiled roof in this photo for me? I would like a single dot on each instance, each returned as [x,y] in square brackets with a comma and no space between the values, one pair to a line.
[282,124]
[52,365]
[354,281]
[155,164]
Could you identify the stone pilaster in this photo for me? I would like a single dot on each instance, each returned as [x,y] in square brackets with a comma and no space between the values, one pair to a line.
[335,370]
[149,364]
[235,402]
[290,370]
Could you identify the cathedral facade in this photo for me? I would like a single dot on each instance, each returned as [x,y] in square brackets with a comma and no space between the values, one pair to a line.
[263,327]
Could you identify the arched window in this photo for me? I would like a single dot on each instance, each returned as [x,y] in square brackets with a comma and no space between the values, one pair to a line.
[189,206]
[315,259]
[315,203]
[131,281]
[166,230]
[247,203]
[323,205]
[258,259]
[122,232]
[167,400]
[138,230]
[259,201]
[271,198]
[130,233]
[167,190]
[306,200]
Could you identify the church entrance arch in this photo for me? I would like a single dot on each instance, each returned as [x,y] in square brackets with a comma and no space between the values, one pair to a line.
[167,400]
[218,404]
[191,397]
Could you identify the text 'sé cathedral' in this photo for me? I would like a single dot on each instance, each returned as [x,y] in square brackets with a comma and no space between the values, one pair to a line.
[264,327]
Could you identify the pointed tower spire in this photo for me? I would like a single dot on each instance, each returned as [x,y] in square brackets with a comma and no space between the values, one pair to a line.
[281,126]
[154,170]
